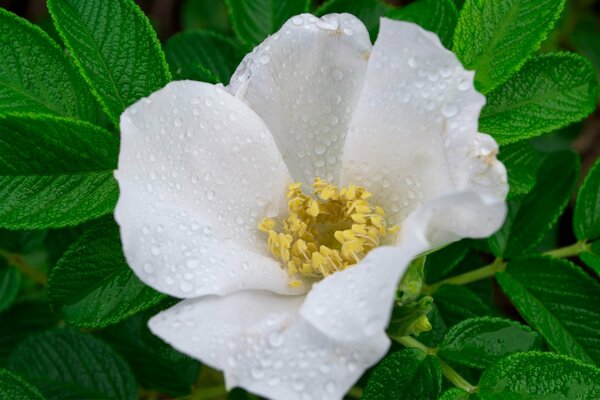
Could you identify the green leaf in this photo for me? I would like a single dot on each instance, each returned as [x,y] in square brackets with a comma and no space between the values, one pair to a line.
[586,218]
[14,387]
[68,364]
[22,320]
[155,364]
[368,11]
[494,38]
[559,300]
[54,172]
[406,374]
[586,40]
[10,282]
[254,20]
[591,258]
[92,284]
[115,49]
[522,161]
[531,216]
[36,76]
[538,375]
[454,394]
[438,16]
[550,92]
[210,15]
[457,303]
[440,263]
[203,56]
[480,342]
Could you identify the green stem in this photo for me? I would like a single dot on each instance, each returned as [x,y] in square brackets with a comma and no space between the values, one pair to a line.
[355,392]
[468,277]
[16,260]
[450,374]
[208,393]
[569,251]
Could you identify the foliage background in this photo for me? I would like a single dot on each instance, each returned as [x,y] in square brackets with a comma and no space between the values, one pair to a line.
[136,364]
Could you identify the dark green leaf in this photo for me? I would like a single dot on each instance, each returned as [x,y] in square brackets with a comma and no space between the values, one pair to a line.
[586,39]
[254,20]
[22,320]
[368,11]
[10,281]
[65,364]
[36,76]
[92,284]
[438,16]
[14,387]
[115,49]
[531,216]
[494,38]
[522,161]
[559,300]
[203,56]
[591,258]
[586,218]
[208,15]
[537,375]
[454,394]
[480,342]
[155,364]
[443,261]
[407,374]
[457,303]
[54,172]
[551,91]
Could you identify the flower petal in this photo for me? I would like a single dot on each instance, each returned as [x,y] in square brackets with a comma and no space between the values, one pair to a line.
[260,342]
[304,82]
[198,170]
[414,135]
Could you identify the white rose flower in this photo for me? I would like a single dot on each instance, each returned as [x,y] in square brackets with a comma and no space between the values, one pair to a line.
[276,291]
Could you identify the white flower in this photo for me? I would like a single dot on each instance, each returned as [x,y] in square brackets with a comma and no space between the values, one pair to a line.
[201,166]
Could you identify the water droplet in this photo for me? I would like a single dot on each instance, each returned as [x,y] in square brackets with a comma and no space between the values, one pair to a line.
[257,373]
[449,110]
[412,62]
[192,263]
[297,20]
[264,59]
[155,250]
[148,268]
[275,339]
[210,194]
[320,149]
[186,286]
[337,74]
[330,387]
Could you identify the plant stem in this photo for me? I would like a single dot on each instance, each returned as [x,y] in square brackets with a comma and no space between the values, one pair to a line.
[208,392]
[450,374]
[16,260]
[468,277]
[569,251]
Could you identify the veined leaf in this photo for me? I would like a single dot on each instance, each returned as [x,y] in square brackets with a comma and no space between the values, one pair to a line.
[254,20]
[495,38]
[406,374]
[586,219]
[443,261]
[457,303]
[67,364]
[115,49]
[92,283]
[537,375]
[54,172]
[368,11]
[522,161]
[10,282]
[591,258]
[438,16]
[14,387]
[559,300]
[36,76]
[480,342]
[551,91]
[203,56]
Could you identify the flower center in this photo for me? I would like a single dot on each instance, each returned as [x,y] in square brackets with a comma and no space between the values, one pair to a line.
[325,232]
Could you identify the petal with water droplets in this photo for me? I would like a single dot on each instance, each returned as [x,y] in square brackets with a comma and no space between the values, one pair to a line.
[198,170]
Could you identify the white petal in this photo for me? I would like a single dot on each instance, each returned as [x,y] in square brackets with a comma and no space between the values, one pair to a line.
[198,170]
[414,135]
[356,304]
[262,344]
[304,82]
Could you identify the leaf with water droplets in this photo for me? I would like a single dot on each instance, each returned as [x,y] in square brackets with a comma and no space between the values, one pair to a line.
[54,172]
[66,364]
[92,284]
[14,387]
[480,342]
[368,11]
[115,49]
[438,16]
[254,20]
[586,218]
[550,92]
[536,375]
[203,56]
[406,374]
[559,300]
[495,38]
[36,76]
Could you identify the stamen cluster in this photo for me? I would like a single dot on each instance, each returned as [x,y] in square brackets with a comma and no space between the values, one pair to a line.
[326,232]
